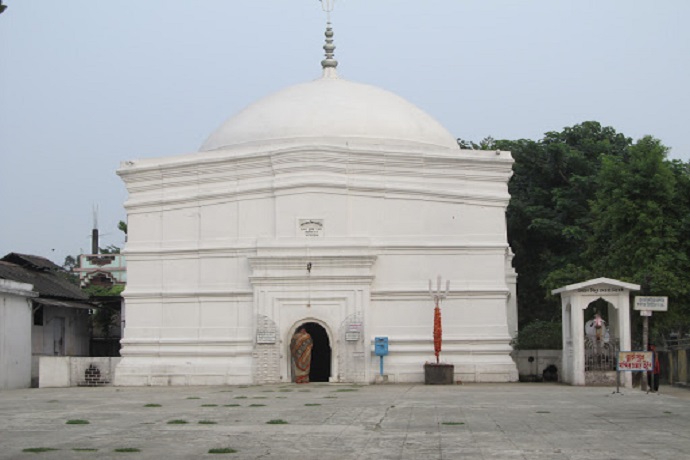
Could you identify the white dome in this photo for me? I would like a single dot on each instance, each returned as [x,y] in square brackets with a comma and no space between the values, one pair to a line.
[335,110]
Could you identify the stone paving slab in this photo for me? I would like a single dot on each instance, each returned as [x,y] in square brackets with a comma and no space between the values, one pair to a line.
[335,421]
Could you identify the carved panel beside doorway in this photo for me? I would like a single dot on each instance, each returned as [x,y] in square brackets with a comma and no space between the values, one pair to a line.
[266,351]
[351,353]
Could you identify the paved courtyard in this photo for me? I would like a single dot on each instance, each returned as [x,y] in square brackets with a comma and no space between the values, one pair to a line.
[334,421]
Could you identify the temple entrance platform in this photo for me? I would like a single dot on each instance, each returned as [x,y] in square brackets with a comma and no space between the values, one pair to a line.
[338,421]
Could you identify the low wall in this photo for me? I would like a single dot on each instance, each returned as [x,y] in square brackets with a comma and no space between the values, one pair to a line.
[532,370]
[675,365]
[72,371]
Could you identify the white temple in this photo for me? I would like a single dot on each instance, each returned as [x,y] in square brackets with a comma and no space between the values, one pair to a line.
[329,205]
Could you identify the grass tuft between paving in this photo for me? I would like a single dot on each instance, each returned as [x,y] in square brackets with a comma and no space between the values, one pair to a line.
[127,449]
[77,422]
[223,450]
[277,421]
[177,422]
[37,450]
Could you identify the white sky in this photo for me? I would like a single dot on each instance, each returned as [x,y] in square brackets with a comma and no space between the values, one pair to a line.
[86,84]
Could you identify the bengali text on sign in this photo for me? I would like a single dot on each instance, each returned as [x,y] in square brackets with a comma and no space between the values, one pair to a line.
[639,361]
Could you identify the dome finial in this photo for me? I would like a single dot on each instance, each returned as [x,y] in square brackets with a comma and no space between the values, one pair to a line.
[329,64]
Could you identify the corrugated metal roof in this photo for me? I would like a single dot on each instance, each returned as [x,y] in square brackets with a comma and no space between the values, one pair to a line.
[46,283]
[31,262]
[63,303]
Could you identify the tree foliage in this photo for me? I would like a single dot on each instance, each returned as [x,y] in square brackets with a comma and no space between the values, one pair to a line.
[640,227]
[122,226]
[588,202]
[539,335]
[105,317]
[548,216]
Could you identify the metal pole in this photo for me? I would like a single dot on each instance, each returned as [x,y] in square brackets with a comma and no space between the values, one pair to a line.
[645,346]
[381,365]
[653,375]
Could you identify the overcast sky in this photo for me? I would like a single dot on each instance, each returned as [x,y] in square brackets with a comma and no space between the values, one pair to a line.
[86,84]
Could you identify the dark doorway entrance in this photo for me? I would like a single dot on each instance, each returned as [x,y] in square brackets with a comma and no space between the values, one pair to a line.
[321,353]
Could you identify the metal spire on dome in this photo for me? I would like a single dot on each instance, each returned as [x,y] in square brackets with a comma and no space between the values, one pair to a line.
[329,64]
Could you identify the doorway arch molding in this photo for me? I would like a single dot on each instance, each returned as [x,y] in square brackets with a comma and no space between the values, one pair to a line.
[575,298]
[331,340]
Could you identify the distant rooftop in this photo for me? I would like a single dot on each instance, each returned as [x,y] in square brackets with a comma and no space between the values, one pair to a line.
[48,279]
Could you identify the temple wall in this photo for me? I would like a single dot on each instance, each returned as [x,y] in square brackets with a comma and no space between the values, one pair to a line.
[212,261]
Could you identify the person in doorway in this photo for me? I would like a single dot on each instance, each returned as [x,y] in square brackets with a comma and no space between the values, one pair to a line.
[654,382]
[300,349]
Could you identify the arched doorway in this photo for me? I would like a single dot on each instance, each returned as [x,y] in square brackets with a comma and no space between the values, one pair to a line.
[320,370]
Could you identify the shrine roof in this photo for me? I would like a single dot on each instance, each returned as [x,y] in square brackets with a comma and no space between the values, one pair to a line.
[595,282]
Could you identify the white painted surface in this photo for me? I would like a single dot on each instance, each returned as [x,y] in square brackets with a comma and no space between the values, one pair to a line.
[53,372]
[575,298]
[15,334]
[332,108]
[215,248]
[68,371]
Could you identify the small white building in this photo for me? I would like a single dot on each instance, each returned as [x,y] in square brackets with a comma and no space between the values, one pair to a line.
[15,334]
[575,299]
[59,322]
[329,205]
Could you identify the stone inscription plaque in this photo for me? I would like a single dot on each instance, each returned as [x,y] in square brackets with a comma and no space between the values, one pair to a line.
[265,337]
[352,336]
[311,228]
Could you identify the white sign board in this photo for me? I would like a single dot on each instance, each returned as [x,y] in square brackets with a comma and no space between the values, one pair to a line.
[651,303]
[635,361]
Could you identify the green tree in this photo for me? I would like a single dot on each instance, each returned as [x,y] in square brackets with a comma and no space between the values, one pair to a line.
[122,226]
[71,263]
[640,223]
[549,212]
[105,317]
[539,335]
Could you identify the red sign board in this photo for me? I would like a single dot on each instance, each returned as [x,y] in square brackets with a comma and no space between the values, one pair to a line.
[636,361]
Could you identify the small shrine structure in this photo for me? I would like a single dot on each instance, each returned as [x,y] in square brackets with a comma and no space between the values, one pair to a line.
[575,298]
